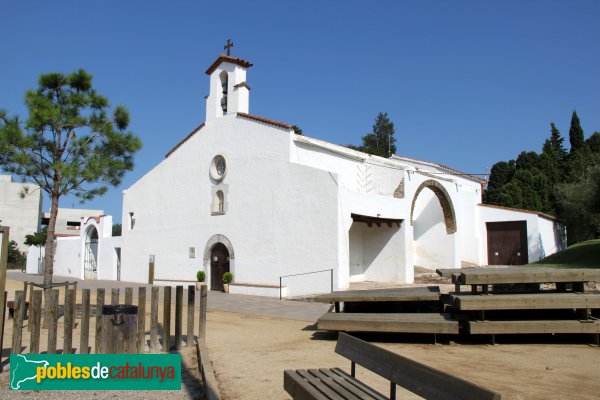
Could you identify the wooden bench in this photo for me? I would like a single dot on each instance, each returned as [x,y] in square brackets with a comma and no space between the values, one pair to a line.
[334,383]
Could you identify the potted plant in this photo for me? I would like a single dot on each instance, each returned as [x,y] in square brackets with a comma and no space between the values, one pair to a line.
[200,277]
[227,278]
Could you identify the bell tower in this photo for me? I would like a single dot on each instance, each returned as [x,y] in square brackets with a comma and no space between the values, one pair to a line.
[229,92]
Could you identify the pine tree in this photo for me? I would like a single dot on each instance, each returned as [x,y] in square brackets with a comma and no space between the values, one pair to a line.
[68,145]
[576,134]
[556,143]
[593,142]
[381,141]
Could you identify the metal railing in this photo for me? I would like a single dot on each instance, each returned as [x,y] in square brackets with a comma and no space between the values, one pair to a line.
[304,273]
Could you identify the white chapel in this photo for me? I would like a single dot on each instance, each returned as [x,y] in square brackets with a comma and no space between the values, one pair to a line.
[245,194]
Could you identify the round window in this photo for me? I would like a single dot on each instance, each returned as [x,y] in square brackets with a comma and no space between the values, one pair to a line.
[218,168]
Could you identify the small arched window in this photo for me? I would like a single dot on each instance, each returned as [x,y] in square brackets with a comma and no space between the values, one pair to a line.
[219,200]
[224,91]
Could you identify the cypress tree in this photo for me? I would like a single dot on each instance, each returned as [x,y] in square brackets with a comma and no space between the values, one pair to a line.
[576,134]
[501,174]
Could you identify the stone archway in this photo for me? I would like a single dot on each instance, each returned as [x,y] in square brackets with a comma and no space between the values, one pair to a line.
[444,198]
[219,265]
[226,257]
[90,260]
[213,241]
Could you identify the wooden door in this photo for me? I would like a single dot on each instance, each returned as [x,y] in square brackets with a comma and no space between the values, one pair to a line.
[219,264]
[507,243]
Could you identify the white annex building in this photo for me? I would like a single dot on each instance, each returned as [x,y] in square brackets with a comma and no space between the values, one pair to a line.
[245,194]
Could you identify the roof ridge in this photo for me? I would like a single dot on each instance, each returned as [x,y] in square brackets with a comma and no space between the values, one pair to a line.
[227,58]
[265,120]
[185,139]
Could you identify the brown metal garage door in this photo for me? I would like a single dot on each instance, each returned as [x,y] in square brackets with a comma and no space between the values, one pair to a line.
[507,242]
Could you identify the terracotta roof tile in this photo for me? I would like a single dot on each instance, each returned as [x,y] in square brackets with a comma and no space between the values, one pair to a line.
[541,214]
[451,171]
[97,219]
[265,120]
[243,84]
[225,58]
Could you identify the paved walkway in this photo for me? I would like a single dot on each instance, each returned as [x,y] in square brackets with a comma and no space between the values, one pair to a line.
[252,305]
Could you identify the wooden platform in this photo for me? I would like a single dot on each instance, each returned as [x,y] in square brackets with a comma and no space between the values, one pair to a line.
[429,293]
[538,301]
[493,276]
[389,322]
[531,327]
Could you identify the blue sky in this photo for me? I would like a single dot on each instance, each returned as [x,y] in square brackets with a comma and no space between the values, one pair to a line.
[466,83]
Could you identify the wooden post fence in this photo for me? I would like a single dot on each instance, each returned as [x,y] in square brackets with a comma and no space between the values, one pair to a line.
[4,231]
[128,295]
[141,340]
[35,318]
[99,303]
[191,303]
[202,316]
[52,321]
[68,321]
[18,322]
[67,312]
[154,321]
[166,319]
[84,337]
[178,315]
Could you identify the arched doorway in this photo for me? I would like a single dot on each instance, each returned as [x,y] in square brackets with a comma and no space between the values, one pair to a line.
[433,220]
[219,264]
[90,261]
[444,200]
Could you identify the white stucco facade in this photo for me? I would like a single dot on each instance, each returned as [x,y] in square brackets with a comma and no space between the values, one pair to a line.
[247,195]
[76,254]
[68,220]
[20,208]
[544,235]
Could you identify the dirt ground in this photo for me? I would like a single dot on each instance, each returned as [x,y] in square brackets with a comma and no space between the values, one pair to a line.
[250,353]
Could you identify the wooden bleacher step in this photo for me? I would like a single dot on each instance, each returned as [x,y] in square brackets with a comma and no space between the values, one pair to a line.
[529,301]
[534,327]
[429,293]
[389,322]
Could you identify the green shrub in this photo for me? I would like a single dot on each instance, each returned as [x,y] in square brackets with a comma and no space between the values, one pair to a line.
[201,276]
[227,277]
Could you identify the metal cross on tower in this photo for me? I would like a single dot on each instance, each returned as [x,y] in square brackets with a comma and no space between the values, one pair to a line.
[228,46]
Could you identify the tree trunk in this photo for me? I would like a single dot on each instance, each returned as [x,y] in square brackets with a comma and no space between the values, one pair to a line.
[49,254]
